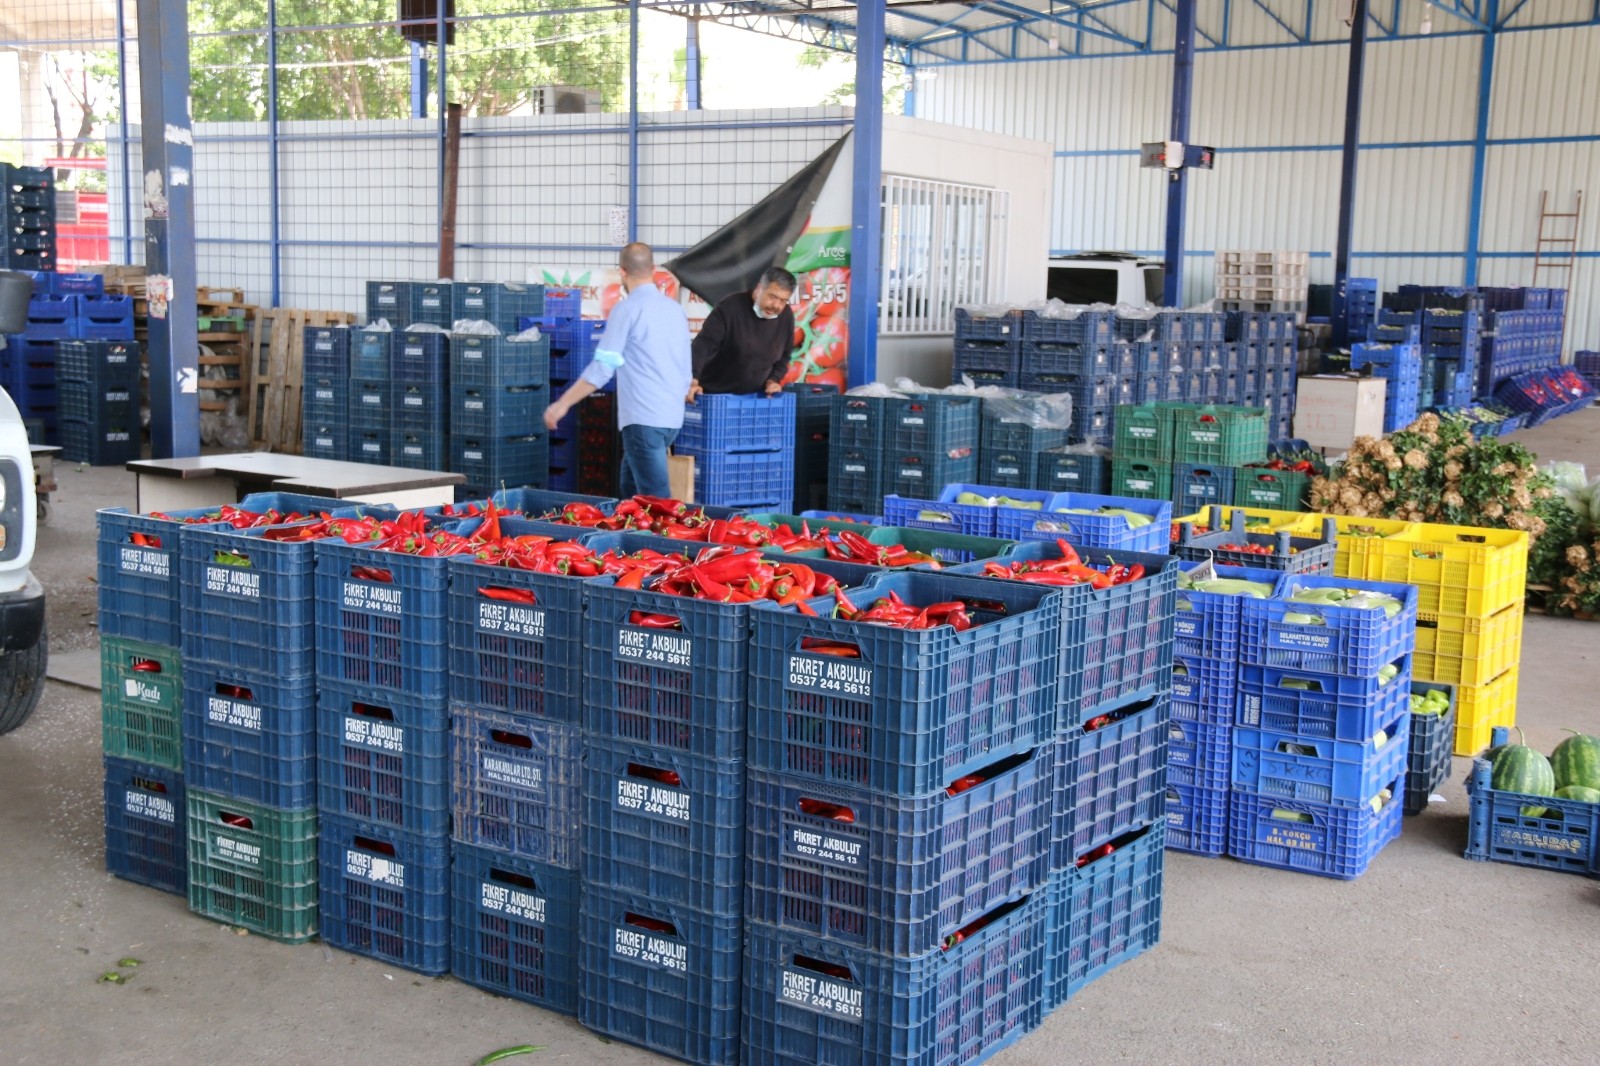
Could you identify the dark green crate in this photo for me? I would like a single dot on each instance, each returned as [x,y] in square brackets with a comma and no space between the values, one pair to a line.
[1142,479]
[1219,436]
[253,866]
[141,711]
[1144,431]
[1273,490]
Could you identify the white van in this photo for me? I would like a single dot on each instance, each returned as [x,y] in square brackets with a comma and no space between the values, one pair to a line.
[1106,278]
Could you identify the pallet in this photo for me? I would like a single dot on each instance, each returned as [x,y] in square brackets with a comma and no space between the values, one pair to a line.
[277,346]
[1537,595]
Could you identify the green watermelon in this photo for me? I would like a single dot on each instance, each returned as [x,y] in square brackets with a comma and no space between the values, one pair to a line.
[1576,761]
[1579,793]
[1519,768]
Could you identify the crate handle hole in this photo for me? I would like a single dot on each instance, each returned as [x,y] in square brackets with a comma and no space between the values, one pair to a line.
[654,925]
[827,969]
[224,557]
[655,773]
[371,710]
[237,692]
[1289,747]
[1471,538]
[378,846]
[510,877]
[146,666]
[843,649]
[836,812]
[502,592]
[973,928]
[513,740]
[148,784]
[237,821]
[372,573]
[144,540]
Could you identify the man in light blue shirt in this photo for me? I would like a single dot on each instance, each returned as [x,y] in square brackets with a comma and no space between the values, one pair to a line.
[646,345]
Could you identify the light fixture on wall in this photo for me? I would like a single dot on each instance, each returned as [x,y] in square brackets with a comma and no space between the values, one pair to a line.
[1055,42]
[1427,20]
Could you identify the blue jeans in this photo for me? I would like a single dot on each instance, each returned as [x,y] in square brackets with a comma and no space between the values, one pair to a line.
[644,460]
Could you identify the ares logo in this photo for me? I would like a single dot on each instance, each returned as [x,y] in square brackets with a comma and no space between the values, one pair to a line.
[833,251]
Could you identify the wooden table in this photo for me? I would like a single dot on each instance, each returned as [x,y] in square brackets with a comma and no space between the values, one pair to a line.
[209,480]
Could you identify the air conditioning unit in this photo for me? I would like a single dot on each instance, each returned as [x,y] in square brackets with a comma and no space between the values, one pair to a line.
[565,100]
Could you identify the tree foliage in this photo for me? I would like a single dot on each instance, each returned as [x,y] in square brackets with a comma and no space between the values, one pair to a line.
[894,87]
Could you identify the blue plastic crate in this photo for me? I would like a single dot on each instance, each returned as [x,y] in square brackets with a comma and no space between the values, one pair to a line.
[809,1001]
[1207,623]
[371,355]
[501,462]
[1049,360]
[664,824]
[1311,838]
[728,423]
[99,362]
[904,513]
[1320,706]
[514,927]
[146,838]
[248,602]
[421,357]
[1339,640]
[390,301]
[1301,555]
[1083,327]
[1005,328]
[385,894]
[498,361]
[496,411]
[1204,690]
[933,424]
[326,400]
[383,762]
[1345,773]
[917,708]
[860,423]
[1428,762]
[660,975]
[138,573]
[50,317]
[371,446]
[1200,756]
[102,317]
[1503,826]
[1109,780]
[1103,913]
[921,476]
[1197,820]
[744,480]
[500,304]
[371,404]
[1090,530]
[78,284]
[250,735]
[516,784]
[325,439]
[326,352]
[508,655]
[1196,486]
[416,448]
[431,304]
[381,621]
[678,689]
[983,357]
[1073,472]
[896,874]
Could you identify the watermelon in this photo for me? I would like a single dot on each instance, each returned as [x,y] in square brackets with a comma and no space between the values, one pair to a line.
[1576,761]
[1519,768]
[1579,793]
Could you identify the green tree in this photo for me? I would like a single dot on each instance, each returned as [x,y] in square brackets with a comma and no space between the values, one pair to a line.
[894,88]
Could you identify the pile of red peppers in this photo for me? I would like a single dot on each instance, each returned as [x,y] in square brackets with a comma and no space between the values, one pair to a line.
[237,517]
[1070,569]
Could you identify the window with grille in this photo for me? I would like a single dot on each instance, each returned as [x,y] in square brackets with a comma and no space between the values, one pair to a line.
[943,248]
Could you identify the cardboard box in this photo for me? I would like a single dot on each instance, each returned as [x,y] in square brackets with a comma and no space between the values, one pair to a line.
[1332,410]
[680,475]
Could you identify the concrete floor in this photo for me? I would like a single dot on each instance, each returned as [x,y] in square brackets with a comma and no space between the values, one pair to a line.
[1427,959]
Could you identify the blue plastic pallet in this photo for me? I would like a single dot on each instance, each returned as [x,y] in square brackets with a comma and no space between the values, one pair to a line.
[728,423]
[1336,640]
[660,975]
[1109,780]
[1103,913]
[514,927]
[917,708]
[1197,820]
[146,838]
[250,735]
[516,784]
[385,894]
[381,621]
[1311,838]
[383,762]
[896,874]
[1345,773]
[809,1001]
[664,824]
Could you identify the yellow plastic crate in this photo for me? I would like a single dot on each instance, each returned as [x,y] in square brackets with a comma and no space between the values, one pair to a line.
[1257,519]
[1461,650]
[1459,570]
[1479,708]
[1359,540]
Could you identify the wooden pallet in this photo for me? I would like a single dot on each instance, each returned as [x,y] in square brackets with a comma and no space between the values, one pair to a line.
[277,345]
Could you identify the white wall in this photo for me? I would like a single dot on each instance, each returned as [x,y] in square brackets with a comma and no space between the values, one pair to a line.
[1276,116]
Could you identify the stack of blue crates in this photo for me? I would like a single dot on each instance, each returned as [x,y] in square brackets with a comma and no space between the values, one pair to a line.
[1360,305]
[97,388]
[899,830]
[325,394]
[516,751]
[1012,448]
[1322,727]
[1519,338]
[27,218]
[420,377]
[987,349]
[66,307]
[499,389]
[371,397]
[858,464]
[1451,338]
[1083,356]
[1401,367]
[930,440]
[1205,680]
[383,754]
[743,449]
[561,322]
[813,413]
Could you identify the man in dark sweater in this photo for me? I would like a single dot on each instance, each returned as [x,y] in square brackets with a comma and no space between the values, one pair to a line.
[747,339]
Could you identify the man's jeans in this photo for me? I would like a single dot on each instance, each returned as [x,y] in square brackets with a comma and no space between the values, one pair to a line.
[644,460]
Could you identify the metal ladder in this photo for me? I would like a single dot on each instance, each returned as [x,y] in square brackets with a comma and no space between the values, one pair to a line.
[1555,252]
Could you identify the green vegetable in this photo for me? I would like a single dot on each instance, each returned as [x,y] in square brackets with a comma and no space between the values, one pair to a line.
[508,1052]
[1388,674]
[1231,586]
[1580,793]
[1432,702]
[1576,761]
[1519,768]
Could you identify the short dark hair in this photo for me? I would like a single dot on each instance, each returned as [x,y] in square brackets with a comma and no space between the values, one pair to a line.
[777,276]
[637,260]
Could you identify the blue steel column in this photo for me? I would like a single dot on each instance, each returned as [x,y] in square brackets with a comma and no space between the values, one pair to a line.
[1480,141]
[1347,171]
[866,196]
[691,64]
[122,122]
[276,262]
[633,120]
[168,153]
[444,110]
[1178,180]
[419,81]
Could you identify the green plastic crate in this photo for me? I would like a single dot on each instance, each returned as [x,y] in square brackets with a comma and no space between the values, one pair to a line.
[1219,436]
[141,711]
[1142,479]
[1274,490]
[1144,432]
[253,866]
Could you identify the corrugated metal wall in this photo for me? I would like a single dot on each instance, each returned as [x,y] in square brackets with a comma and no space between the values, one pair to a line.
[1276,114]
